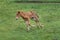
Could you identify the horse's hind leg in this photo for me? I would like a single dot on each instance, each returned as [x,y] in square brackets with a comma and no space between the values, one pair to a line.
[38,23]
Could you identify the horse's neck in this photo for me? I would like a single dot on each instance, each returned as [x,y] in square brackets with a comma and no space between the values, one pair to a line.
[22,14]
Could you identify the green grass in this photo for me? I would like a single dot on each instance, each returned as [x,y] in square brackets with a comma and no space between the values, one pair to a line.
[10,29]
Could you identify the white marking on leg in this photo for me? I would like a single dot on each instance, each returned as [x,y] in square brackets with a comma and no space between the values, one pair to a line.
[28,25]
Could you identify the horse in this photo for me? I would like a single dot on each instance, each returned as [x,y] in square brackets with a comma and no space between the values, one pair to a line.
[26,16]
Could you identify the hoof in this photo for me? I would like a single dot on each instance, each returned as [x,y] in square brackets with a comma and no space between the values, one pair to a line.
[41,26]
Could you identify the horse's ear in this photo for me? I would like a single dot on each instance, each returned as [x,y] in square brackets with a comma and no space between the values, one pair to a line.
[21,11]
[18,11]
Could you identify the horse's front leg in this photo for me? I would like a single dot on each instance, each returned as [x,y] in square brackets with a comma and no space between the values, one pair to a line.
[28,24]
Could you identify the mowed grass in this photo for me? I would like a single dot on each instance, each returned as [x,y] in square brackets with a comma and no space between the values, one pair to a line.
[12,29]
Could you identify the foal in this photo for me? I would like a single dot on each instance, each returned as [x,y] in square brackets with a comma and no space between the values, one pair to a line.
[27,16]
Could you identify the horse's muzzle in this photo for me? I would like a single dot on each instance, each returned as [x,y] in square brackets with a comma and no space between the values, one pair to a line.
[16,18]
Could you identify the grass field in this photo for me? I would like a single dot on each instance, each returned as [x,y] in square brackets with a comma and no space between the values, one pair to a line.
[12,29]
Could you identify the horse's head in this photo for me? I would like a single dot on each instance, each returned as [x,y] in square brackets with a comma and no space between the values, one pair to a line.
[17,15]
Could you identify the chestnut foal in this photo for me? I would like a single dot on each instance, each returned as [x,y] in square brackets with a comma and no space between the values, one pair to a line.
[27,16]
